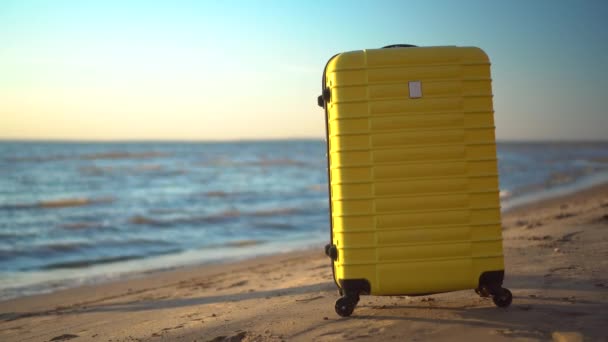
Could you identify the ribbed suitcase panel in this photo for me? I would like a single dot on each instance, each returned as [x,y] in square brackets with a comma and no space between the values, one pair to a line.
[414,181]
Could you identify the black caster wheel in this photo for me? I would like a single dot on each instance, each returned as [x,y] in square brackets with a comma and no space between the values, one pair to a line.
[345,306]
[504,299]
[340,292]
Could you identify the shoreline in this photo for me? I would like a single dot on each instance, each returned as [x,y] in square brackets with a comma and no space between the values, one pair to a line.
[59,282]
[556,266]
[107,273]
[597,180]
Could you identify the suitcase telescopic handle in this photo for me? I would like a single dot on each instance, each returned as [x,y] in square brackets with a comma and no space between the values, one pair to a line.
[398,46]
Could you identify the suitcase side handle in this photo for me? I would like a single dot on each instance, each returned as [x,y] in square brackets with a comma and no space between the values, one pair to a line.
[399,46]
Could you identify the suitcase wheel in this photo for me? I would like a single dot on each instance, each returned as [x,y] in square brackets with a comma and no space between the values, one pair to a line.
[346,305]
[503,299]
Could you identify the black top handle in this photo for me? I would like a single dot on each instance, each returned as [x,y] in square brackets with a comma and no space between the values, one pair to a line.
[398,46]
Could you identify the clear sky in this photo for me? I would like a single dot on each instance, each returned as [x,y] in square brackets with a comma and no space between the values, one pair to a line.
[209,70]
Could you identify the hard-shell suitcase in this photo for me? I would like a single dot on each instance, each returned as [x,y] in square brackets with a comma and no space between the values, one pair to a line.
[413,176]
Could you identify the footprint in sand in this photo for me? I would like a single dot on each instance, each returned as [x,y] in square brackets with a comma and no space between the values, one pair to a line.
[568,237]
[540,238]
[234,338]
[601,219]
[233,285]
[561,216]
[534,225]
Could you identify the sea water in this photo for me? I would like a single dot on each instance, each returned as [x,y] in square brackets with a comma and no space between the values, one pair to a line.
[73,213]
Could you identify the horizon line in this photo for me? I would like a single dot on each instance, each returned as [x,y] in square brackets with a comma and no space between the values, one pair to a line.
[236,140]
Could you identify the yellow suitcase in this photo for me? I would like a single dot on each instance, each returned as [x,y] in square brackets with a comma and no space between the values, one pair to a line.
[412,173]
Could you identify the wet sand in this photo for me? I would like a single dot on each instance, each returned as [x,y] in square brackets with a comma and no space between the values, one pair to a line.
[556,254]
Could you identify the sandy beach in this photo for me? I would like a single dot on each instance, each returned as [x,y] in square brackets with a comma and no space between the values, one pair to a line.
[556,254]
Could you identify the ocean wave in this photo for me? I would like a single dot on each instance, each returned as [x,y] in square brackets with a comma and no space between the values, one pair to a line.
[92,261]
[554,180]
[74,202]
[244,243]
[124,155]
[96,170]
[154,169]
[89,262]
[276,162]
[143,220]
[59,203]
[149,221]
[63,246]
[16,234]
[227,195]
[561,178]
[38,158]
[81,225]
[227,214]
[523,190]
[160,222]
[275,212]
[113,155]
[222,162]
[237,244]
[43,250]
[273,225]
[223,216]
[221,194]
[53,249]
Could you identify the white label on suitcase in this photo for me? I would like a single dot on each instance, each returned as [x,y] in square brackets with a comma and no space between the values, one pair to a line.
[415,89]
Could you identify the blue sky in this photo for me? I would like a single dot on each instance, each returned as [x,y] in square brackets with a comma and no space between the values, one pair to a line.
[209,70]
